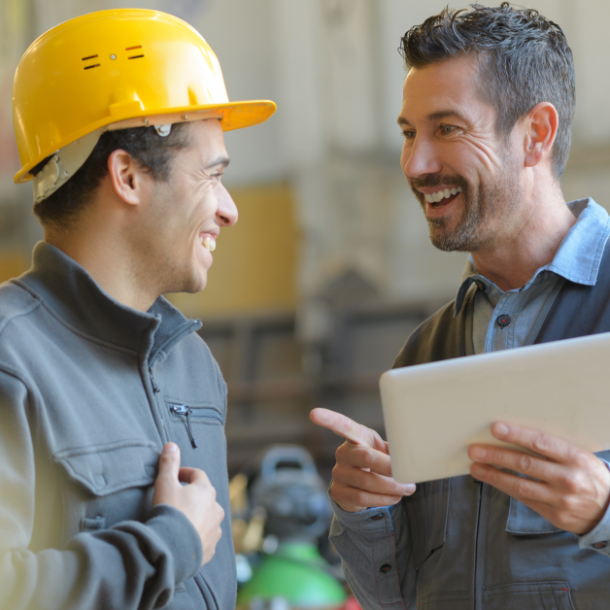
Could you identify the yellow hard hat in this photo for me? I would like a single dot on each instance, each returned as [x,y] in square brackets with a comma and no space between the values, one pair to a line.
[112,70]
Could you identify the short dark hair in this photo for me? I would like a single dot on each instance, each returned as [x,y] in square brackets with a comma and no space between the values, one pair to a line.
[524,59]
[153,152]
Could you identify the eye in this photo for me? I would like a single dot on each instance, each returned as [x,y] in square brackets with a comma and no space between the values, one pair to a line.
[408,135]
[446,129]
[215,175]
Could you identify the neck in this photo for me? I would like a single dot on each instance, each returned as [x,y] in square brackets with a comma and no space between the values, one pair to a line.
[108,259]
[530,243]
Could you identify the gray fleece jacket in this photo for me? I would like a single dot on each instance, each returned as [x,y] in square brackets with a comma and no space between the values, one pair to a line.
[90,390]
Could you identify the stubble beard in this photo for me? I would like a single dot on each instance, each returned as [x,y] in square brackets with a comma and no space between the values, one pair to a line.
[482,202]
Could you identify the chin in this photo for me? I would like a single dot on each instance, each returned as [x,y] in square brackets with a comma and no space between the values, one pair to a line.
[197,283]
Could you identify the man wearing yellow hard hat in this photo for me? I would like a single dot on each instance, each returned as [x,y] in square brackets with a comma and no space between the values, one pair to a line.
[112,452]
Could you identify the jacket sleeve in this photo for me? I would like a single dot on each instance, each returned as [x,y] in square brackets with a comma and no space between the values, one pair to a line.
[375,551]
[130,565]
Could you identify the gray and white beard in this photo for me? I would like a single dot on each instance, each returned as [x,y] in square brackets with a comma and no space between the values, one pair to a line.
[481,203]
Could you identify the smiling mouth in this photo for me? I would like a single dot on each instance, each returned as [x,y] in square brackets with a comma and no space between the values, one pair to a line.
[442,197]
[209,243]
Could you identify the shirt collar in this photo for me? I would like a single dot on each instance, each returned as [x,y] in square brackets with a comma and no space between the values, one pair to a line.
[579,256]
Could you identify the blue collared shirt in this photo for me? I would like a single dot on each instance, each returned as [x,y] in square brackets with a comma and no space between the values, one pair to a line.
[503,320]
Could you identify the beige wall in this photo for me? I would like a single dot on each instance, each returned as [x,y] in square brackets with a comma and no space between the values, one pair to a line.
[255,260]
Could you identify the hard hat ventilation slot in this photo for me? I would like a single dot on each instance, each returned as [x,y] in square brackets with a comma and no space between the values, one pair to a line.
[87,59]
[133,49]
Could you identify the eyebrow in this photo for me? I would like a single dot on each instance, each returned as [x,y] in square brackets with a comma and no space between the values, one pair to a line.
[435,116]
[221,160]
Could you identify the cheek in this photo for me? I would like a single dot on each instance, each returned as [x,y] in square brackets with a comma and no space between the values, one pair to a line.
[404,156]
[483,154]
[207,202]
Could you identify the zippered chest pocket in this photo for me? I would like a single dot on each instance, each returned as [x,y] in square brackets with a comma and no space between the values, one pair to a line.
[192,416]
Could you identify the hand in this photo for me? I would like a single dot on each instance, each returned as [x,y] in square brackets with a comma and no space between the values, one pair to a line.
[197,499]
[571,486]
[362,476]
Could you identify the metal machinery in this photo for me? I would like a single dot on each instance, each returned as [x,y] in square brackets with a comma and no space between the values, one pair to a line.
[288,510]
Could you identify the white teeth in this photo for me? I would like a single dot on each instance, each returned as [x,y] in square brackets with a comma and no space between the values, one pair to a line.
[440,195]
[209,243]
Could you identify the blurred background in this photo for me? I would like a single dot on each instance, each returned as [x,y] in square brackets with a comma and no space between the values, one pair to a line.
[314,291]
[316,288]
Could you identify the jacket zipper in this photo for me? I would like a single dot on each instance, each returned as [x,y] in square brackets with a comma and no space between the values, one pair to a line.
[155,387]
[184,410]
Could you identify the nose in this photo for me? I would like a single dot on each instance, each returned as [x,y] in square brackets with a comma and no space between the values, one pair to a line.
[227,210]
[419,158]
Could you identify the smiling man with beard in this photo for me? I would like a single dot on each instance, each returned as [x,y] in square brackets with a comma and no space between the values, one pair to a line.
[487,107]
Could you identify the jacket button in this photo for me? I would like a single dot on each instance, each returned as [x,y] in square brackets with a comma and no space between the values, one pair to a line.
[385,568]
[600,545]
[376,517]
[503,320]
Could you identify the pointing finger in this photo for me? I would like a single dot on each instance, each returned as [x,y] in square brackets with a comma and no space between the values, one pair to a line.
[347,428]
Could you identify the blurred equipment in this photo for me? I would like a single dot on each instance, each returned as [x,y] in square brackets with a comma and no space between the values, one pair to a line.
[289,510]
[292,493]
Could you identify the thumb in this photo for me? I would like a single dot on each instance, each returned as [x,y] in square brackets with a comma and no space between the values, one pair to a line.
[169,462]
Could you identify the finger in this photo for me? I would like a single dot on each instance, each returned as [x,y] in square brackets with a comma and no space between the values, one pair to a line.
[192,475]
[169,462]
[518,487]
[346,496]
[346,428]
[371,482]
[530,465]
[544,444]
[360,456]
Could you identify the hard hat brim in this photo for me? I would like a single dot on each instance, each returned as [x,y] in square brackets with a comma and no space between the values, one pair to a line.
[232,115]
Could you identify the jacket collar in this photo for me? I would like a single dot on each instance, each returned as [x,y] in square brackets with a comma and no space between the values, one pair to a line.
[74,297]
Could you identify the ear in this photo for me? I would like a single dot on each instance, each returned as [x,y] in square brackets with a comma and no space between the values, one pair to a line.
[540,125]
[128,178]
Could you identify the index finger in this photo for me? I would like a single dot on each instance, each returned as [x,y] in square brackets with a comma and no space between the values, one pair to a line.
[347,428]
[536,441]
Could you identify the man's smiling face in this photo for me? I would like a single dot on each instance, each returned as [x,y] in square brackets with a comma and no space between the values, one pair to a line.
[465,175]
[185,213]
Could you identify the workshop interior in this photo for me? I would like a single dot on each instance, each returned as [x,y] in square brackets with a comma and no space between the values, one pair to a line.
[329,268]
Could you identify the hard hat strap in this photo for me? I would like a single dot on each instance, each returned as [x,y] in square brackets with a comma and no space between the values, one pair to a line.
[64,164]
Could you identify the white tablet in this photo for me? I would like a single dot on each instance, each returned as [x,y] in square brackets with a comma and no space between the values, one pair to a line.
[434,412]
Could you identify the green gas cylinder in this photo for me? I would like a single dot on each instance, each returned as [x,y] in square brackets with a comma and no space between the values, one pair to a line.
[296,572]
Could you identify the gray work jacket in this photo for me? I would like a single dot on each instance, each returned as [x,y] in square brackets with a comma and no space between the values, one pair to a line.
[88,395]
[457,544]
